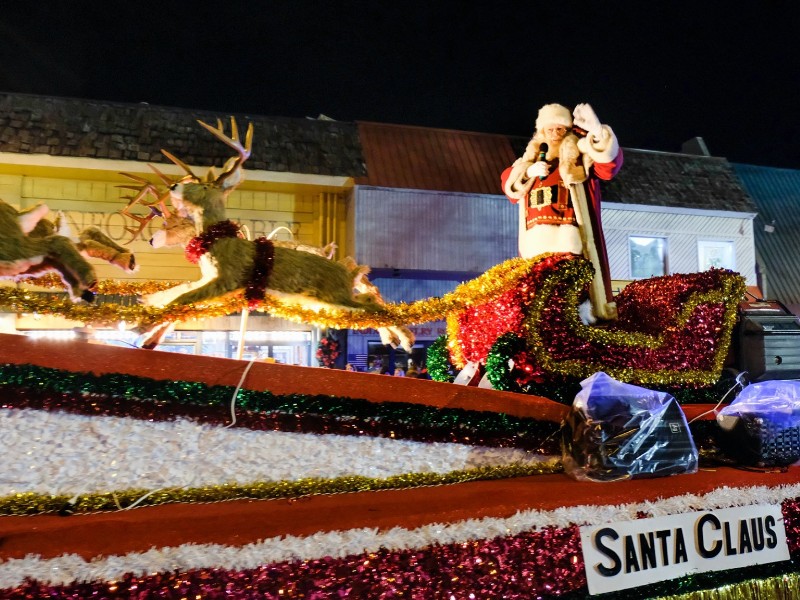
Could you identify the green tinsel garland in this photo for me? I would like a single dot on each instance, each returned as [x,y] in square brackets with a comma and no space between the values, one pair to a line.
[500,374]
[133,388]
[439,366]
[509,345]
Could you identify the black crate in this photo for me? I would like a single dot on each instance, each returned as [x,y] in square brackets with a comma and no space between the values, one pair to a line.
[756,440]
[769,347]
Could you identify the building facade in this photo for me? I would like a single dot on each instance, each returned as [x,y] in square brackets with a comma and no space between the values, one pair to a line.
[423,207]
[776,193]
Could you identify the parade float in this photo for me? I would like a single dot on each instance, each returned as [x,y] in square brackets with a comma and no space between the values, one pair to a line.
[133,473]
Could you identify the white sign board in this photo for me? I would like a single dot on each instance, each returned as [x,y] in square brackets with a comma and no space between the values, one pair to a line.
[624,555]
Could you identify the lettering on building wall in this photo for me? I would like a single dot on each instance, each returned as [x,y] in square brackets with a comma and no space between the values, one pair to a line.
[114,224]
[427,332]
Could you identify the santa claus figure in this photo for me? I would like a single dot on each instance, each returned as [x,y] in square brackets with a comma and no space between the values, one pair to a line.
[555,182]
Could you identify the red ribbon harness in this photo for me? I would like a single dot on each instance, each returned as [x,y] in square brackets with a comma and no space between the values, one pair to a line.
[262,263]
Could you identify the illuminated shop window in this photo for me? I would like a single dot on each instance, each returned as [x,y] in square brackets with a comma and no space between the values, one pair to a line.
[648,257]
[286,347]
[719,254]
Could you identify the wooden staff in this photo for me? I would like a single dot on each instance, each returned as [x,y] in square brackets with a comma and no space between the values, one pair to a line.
[603,309]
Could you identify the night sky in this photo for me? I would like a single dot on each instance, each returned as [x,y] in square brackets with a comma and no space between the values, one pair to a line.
[659,73]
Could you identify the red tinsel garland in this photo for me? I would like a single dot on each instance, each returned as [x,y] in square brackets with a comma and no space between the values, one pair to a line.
[673,329]
[200,244]
[327,352]
[263,262]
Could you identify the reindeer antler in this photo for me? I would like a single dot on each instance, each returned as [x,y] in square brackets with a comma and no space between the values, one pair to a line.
[235,163]
[180,163]
[143,190]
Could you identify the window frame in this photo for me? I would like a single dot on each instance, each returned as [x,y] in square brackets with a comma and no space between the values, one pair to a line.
[704,245]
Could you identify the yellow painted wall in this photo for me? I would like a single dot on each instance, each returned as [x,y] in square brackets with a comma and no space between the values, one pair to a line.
[314,215]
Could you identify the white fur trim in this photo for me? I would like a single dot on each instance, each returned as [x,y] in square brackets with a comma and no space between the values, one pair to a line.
[549,238]
[586,314]
[553,114]
[570,165]
[518,183]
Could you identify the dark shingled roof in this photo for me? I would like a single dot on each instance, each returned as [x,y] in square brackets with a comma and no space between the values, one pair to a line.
[86,128]
[677,180]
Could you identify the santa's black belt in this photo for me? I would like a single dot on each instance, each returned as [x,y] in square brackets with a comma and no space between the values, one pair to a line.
[543,196]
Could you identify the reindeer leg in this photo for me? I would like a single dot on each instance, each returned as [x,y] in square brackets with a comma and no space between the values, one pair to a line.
[97,244]
[29,217]
[177,294]
[154,336]
[213,289]
[165,297]
[72,261]
[388,337]
[77,274]
[217,281]
[73,285]
[404,336]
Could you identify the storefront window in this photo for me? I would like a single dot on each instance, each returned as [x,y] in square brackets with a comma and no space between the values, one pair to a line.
[392,358]
[285,347]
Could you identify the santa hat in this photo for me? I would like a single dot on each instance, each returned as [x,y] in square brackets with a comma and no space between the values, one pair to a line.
[553,114]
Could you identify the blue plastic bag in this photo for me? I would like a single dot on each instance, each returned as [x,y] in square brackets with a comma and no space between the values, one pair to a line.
[619,431]
[761,427]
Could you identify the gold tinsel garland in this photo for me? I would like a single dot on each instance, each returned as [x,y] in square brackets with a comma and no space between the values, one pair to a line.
[781,587]
[29,503]
[493,283]
[478,291]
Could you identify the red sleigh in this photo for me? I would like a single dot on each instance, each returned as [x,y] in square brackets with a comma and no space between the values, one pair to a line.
[672,330]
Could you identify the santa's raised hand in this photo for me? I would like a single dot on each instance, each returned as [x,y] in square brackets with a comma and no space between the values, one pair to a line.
[585,118]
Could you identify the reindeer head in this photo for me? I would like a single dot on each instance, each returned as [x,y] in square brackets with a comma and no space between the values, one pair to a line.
[200,200]
[203,200]
[175,231]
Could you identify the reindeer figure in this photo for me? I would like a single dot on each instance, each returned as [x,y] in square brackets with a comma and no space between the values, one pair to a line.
[91,243]
[229,262]
[30,246]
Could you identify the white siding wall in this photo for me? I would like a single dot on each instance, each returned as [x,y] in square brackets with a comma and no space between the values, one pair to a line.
[410,229]
[682,230]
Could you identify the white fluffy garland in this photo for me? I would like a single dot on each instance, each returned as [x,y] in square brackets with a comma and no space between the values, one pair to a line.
[338,544]
[58,453]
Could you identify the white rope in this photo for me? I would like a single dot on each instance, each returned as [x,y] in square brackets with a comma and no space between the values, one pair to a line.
[236,393]
[277,229]
[738,382]
[135,504]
